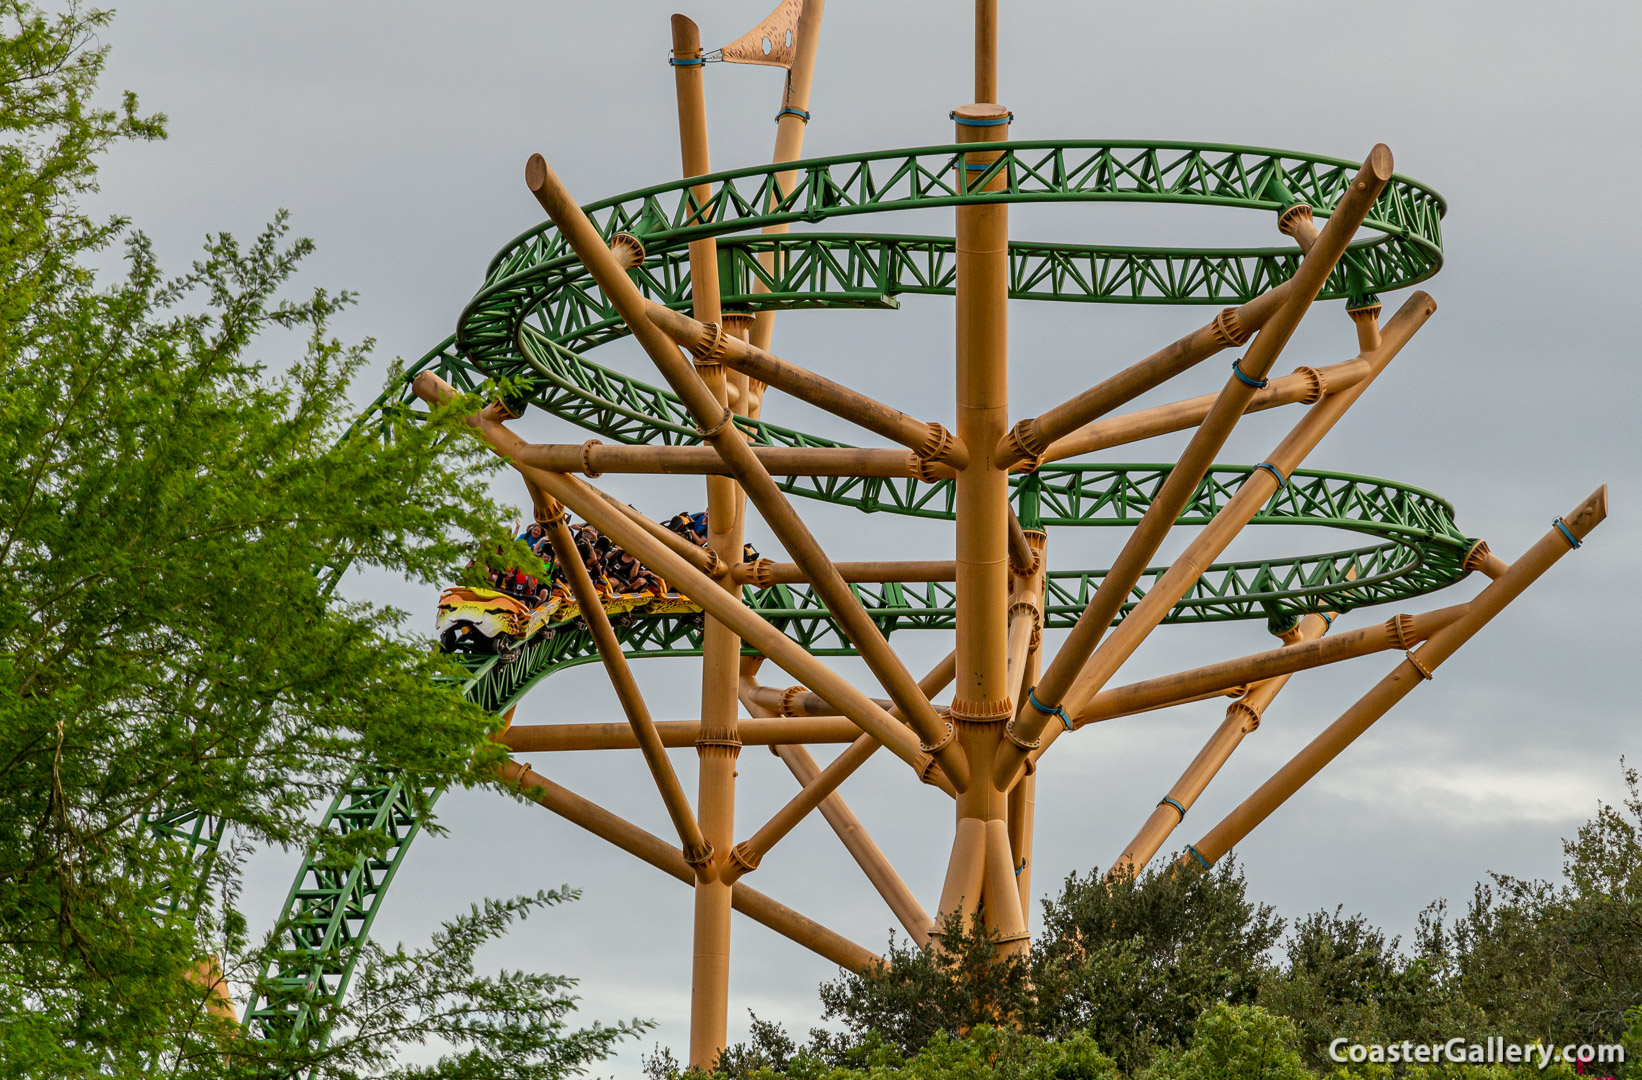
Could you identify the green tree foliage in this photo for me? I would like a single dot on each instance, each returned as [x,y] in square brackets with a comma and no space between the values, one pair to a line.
[1241,1042]
[985,1052]
[920,992]
[1343,978]
[1135,960]
[179,498]
[1562,960]
[1130,961]
[512,1025]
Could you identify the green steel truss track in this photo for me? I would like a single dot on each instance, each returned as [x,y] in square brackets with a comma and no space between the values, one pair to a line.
[537,312]
[539,268]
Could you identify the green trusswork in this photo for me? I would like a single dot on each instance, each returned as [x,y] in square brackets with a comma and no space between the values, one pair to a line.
[537,312]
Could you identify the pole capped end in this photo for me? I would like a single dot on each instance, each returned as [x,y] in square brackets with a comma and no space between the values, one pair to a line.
[536,172]
[1588,514]
[1379,162]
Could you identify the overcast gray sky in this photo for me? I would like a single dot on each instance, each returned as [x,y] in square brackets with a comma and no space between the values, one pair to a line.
[396,134]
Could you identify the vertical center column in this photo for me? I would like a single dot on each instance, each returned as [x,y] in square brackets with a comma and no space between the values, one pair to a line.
[982,870]
[719,743]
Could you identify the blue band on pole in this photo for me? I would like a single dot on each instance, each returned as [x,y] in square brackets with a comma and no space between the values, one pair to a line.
[994,122]
[687,61]
[982,166]
[1282,481]
[1237,369]
[1567,533]
[1031,696]
[790,111]
[1174,804]
[1328,620]
[1198,855]
[1019,868]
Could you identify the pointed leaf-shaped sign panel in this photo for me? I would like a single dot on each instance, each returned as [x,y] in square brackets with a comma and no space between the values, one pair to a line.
[771,42]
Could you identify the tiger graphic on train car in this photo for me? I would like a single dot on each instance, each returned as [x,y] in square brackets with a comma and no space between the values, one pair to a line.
[487,621]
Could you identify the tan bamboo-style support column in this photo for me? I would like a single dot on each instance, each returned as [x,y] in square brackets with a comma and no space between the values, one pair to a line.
[1305,385]
[1418,665]
[1297,222]
[1230,692]
[750,852]
[1238,511]
[1021,557]
[965,873]
[697,849]
[1242,717]
[982,699]
[928,439]
[592,458]
[1022,801]
[719,743]
[607,518]
[859,843]
[986,50]
[980,693]
[1029,722]
[717,429]
[668,859]
[1397,632]
[1026,613]
[675,734]
[795,700]
[765,573]
[790,123]
[1480,558]
[219,1000]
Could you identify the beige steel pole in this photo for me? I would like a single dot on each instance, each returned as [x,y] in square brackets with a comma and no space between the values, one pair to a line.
[675,734]
[931,440]
[717,429]
[790,123]
[765,573]
[207,975]
[982,697]
[1418,666]
[1027,593]
[1397,632]
[697,849]
[795,700]
[667,858]
[1023,801]
[719,743]
[986,50]
[750,852]
[1242,717]
[1031,438]
[1255,492]
[1025,730]
[592,458]
[965,874]
[1305,385]
[859,843]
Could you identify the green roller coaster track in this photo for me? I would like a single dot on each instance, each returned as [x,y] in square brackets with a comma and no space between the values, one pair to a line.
[538,312]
